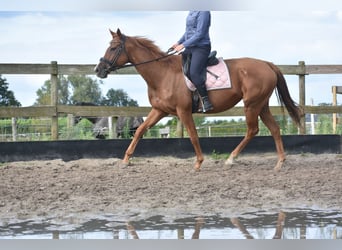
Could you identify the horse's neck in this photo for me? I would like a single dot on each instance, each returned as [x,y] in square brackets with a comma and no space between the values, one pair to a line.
[153,72]
[151,75]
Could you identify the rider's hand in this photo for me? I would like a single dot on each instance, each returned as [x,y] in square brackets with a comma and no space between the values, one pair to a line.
[178,47]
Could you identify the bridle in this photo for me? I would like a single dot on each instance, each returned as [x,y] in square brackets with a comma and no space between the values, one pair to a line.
[117,52]
[121,48]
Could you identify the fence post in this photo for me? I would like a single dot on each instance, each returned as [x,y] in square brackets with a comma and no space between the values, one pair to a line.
[334,92]
[70,125]
[112,120]
[14,129]
[302,128]
[54,100]
[180,129]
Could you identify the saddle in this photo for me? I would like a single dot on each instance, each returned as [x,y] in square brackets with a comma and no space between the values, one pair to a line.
[186,61]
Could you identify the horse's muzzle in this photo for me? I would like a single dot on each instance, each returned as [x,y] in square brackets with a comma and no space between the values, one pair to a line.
[101,72]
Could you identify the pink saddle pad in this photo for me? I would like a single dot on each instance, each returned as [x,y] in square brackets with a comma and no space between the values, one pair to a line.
[217,77]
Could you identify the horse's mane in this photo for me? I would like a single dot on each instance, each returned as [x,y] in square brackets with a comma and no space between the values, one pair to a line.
[150,45]
[156,52]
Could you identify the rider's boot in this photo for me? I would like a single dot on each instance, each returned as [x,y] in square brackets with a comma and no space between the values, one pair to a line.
[206,105]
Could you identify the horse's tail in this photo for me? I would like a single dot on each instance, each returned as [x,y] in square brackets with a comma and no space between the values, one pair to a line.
[284,97]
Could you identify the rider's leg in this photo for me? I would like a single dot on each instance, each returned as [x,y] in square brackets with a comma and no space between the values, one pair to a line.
[198,73]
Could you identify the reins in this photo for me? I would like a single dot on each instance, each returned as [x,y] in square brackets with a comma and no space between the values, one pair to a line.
[145,62]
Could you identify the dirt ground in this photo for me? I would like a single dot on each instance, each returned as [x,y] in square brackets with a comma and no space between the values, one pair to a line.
[168,186]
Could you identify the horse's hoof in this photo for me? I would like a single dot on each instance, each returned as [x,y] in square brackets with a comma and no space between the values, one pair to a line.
[123,164]
[230,161]
[279,166]
[198,166]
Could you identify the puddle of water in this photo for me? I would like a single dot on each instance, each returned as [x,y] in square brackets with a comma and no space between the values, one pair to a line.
[301,224]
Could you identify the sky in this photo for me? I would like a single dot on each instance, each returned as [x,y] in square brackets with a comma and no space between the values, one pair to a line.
[59,31]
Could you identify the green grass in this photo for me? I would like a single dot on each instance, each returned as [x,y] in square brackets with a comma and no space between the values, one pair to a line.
[219,156]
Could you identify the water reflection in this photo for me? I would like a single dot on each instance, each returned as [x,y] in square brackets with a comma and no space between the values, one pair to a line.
[278,231]
[304,224]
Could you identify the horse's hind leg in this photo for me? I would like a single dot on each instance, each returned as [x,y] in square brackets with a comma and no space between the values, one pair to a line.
[273,126]
[252,130]
[153,117]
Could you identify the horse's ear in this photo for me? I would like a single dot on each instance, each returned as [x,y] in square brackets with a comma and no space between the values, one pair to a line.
[118,32]
[112,32]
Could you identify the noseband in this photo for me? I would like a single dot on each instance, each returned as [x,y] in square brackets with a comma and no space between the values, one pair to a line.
[118,52]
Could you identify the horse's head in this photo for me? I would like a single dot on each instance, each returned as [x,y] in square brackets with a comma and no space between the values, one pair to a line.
[114,57]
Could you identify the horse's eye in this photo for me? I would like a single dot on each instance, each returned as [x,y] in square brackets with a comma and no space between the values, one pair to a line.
[113,48]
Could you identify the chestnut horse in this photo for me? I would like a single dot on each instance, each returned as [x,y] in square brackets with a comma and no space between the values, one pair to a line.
[253,81]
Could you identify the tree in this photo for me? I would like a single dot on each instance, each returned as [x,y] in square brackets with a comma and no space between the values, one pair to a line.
[118,98]
[7,96]
[71,90]
[85,89]
[44,93]
[79,88]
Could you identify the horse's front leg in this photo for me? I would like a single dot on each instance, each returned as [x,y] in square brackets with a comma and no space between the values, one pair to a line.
[189,124]
[153,117]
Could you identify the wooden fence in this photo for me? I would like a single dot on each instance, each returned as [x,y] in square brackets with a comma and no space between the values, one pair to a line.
[54,110]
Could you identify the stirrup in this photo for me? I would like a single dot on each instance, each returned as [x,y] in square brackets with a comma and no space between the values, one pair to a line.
[206,105]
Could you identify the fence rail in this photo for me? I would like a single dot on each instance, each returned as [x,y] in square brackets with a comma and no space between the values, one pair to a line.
[54,110]
[88,69]
[102,111]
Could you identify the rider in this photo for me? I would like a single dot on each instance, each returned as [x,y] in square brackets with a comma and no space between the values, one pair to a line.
[196,42]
